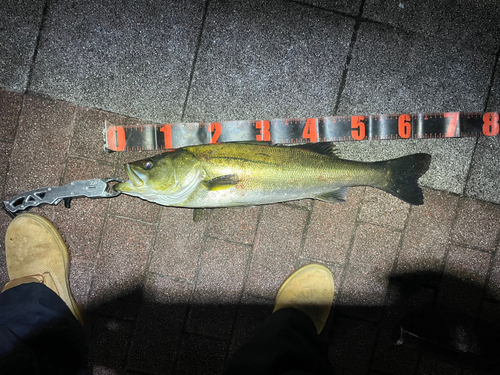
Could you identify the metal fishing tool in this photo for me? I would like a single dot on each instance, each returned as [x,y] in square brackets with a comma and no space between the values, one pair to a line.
[95,188]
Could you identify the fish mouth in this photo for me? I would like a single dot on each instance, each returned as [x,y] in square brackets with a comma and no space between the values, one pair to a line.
[136,180]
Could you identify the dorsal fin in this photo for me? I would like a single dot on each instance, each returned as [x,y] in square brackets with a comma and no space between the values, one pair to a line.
[324,148]
[254,143]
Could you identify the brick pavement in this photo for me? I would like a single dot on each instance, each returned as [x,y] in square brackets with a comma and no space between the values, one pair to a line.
[166,295]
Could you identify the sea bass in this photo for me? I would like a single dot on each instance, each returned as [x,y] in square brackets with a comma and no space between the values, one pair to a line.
[248,174]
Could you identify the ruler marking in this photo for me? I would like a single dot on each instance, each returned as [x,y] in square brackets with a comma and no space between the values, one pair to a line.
[295,131]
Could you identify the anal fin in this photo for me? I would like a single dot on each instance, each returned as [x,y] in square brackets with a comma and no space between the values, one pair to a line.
[335,196]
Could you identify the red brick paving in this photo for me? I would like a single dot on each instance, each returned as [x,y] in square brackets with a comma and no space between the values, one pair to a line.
[477,225]
[329,239]
[10,103]
[41,145]
[167,295]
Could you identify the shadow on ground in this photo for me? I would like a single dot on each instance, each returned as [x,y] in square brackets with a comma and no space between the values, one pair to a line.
[439,332]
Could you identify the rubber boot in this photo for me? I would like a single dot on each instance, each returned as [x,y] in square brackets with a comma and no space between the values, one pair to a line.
[309,289]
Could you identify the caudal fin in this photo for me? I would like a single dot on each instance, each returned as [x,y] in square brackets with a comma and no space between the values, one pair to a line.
[405,174]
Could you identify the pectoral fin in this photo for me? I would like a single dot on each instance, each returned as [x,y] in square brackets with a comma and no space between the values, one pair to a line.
[335,196]
[200,214]
[222,182]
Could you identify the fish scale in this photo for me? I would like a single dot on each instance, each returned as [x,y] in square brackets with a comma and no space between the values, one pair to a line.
[240,174]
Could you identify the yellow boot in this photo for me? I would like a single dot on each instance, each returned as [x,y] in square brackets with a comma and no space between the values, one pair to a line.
[309,289]
[36,253]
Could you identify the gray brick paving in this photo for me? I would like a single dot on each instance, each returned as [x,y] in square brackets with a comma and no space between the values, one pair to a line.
[166,295]
[466,22]
[247,66]
[131,58]
[20,23]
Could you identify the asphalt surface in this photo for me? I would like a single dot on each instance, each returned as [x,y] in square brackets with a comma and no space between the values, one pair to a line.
[166,295]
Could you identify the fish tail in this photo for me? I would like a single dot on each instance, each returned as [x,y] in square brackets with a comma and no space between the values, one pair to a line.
[405,174]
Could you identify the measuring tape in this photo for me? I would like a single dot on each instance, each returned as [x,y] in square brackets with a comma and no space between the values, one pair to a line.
[305,130]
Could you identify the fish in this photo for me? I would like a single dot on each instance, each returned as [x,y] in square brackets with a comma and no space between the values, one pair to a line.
[240,174]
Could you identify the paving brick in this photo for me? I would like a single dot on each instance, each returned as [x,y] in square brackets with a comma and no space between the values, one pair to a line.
[5,152]
[158,329]
[370,264]
[463,280]
[467,371]
[103,370]
[81,224]
[375,247]
[483,180]
[234,224]
[331,228]
[381,208]
[458,22]
[477,224]
[489,326]
[405,299]
[109,370]
[262,77]
[305,204]
[251,314]
[111,57]
[434,364]
[109,341]
[20,22]
[218,288]
[200,354]
[83,169]
[350,7]
[10,106]
[416,74]
[41,144]
[426,237]
[362,294]
[494,97]
[489,312]
[81,272]
[135,208]
[276,248]
[87,140]
[119,274]
[178,244]
[351,345]
[493,286]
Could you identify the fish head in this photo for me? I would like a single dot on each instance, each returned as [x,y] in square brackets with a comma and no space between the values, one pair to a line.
[154,174]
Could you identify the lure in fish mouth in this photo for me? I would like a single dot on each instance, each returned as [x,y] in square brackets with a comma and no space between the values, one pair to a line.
[247,174]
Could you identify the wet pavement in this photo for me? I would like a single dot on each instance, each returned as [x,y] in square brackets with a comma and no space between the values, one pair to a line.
[164,294]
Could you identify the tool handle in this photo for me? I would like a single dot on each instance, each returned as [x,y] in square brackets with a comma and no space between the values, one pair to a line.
[95,188]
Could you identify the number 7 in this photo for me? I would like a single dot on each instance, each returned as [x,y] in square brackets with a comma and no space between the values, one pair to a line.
[452,126]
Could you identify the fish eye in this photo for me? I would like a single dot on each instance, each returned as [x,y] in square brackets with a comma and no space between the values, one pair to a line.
[148,165]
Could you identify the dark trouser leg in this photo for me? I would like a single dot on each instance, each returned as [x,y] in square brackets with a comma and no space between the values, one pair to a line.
[286,343]
[39,334]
